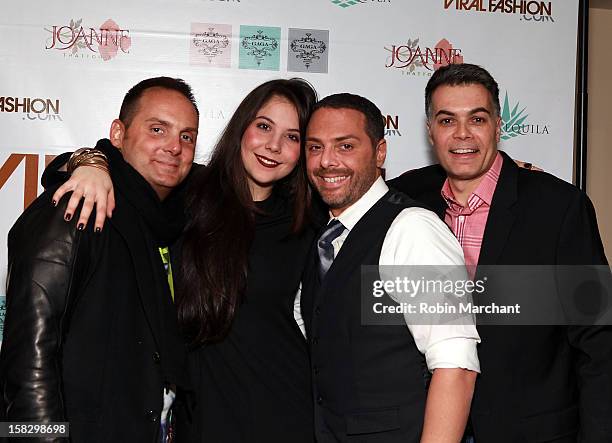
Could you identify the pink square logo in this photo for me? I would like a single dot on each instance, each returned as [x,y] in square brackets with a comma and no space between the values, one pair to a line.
[211,45]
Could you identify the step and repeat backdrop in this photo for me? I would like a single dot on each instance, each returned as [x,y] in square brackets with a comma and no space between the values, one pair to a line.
[65,67]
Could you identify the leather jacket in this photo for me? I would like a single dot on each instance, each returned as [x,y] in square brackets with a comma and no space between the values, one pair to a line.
[40,276]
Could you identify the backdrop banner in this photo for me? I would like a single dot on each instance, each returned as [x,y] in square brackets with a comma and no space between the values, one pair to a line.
[67,65]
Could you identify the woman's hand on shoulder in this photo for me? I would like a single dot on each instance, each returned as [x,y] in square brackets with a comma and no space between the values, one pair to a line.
[95,186]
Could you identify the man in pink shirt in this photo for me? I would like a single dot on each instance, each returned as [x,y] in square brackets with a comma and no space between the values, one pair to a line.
[538,383]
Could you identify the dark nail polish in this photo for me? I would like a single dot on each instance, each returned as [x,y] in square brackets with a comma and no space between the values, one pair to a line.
[68,217]
[98,230]
[54,202]
[81,226]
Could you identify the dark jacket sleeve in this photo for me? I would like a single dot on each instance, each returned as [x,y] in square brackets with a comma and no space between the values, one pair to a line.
[580,244]
[52,176]
[42,254]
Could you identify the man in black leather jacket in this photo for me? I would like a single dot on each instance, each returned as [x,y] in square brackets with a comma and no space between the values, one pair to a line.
[90,335]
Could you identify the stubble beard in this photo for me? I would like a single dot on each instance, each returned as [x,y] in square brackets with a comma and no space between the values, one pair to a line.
[361,183]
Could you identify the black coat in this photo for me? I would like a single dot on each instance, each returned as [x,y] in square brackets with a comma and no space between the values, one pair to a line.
[90,334]
[538,383]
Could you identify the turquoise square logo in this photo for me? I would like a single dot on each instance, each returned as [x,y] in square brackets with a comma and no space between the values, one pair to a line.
[345,3]
[259,48]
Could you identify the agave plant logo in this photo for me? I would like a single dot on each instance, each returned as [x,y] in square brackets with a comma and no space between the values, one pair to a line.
[345,3]
[513,120]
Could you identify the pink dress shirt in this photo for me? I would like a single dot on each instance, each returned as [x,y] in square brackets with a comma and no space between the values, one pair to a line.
[468,222]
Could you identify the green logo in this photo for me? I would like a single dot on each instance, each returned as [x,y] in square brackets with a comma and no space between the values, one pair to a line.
[259,47]
[513,121]
[345,3]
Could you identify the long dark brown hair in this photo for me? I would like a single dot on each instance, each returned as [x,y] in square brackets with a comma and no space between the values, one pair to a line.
[221,212]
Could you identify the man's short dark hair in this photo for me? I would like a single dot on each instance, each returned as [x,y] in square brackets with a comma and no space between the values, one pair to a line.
[461,74]
[375,122]
[129,107]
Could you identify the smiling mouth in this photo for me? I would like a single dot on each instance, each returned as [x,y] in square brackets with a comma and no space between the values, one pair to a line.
[336,180]
[464,151]
[267,162]
[168,165]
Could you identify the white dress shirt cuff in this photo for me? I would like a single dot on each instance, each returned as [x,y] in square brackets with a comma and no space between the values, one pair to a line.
[456,352]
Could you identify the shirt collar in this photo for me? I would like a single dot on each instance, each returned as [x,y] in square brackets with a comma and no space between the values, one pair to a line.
[351,215]
[485,189]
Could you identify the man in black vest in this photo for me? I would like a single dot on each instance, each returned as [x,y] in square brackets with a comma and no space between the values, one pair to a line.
[370,381]
[90,335]
[538,383]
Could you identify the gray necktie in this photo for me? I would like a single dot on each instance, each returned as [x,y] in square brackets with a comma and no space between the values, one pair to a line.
[325,247]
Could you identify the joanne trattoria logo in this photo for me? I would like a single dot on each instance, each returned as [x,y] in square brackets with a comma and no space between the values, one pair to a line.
[514,122]
[105,41]
[415,59]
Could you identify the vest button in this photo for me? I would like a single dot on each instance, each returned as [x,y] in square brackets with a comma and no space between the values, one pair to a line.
[315,370]
[156,357]
[315,340]
[152,415]
[319,400]
[317,310]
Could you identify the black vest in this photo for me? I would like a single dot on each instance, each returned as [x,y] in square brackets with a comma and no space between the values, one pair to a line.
[369,382]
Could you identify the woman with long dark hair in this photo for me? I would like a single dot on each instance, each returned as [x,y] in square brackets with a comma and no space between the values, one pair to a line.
[243,251]
[241,260]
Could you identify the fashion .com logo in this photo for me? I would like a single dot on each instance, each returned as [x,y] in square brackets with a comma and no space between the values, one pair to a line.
[538,18]
[78,41]
[522,7]
[416,60]
[515,123]
[33,108]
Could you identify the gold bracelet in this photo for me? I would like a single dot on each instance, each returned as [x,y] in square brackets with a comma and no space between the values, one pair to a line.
[87,157]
